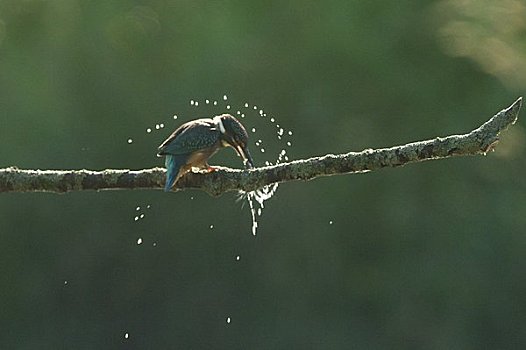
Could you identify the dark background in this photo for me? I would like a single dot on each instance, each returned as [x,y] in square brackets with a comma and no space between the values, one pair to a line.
[427,256]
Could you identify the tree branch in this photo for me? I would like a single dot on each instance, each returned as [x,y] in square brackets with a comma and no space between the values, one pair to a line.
[479,141]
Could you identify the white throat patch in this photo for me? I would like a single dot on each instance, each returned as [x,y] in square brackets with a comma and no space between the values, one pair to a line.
[220,124]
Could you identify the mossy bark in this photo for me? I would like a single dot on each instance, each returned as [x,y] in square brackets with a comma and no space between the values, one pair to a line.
[478,141]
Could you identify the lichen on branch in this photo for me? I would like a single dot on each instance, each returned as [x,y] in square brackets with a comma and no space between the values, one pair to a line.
[478,141]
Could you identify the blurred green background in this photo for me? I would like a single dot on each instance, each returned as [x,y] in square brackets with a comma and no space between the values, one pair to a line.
[428,256]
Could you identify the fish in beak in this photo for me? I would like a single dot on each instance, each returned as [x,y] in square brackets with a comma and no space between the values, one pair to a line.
[245,155]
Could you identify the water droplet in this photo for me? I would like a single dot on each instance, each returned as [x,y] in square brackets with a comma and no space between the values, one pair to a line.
[126,335]
[142,216]
[238,257]
[207,101]
[148,206]
[215,103]
[136,218]
[196,103]
[130,140]
[242,115]
[272,120]
[192,102]
[175,116]
[246,105]
[289,144]
[154,244]
[65,282]
[157,126]
[290,133]
[211,227]
[238,112]
[139,241]
[192,197]
[161,125]
[262,150]
[148,130]
[330,222]
[228,320]
[259,211]
[225,97]
[255,108]
[227,106]
[261,112]
[138,208]
[253,129]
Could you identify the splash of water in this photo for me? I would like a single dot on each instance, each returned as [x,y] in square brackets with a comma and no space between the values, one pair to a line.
[256,199]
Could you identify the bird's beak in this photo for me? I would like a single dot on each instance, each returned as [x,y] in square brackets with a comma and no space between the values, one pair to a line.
[245,154]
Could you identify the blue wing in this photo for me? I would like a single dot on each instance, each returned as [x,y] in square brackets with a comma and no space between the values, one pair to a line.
[190,137]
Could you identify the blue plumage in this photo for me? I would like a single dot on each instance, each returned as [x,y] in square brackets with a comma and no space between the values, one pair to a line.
[193,143]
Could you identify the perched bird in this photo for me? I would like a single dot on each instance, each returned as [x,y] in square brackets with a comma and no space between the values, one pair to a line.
[190,145]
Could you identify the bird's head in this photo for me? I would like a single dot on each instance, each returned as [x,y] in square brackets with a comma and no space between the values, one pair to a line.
[233,134]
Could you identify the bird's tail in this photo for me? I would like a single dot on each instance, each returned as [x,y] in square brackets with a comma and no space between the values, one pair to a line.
[172,170]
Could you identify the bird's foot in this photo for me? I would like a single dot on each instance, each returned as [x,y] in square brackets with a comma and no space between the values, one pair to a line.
[207,169]
[211,169]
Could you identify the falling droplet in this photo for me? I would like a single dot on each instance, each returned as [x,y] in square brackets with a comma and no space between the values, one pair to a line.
[238,257]
[253,129]
[130,140]
[242,115]
[136,218]
[126,335]
[154,244]
[255,108]
[225,97]
[272,120]
[207,101]
[65,282]
[142,216]
[215,103]
[161,125]
[192,102]
[148,206]
[290,133]
[246,105]
[139,241]
[157,126]
[138,208]
[175,116]
[262,150]
[289,144]
[148,130]
[330,222]
[227,106]
[196,103]
[211,227]
[228,320]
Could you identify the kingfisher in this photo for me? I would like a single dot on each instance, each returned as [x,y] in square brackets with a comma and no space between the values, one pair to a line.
[193,143]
